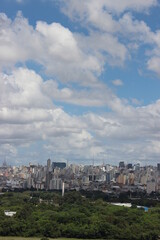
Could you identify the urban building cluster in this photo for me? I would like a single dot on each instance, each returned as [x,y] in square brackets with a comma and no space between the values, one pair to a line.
[60,176]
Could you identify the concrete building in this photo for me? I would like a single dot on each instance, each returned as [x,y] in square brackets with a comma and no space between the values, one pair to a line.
[121,165]
[48,163]
[158,166]
[55,184]
[60,165]
[151,186]
[121,179]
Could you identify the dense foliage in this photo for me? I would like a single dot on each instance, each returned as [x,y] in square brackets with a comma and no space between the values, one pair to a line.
[49,215]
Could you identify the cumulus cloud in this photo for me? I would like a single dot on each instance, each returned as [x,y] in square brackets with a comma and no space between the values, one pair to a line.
[27,113]
[153,64]
[94,96]
[124,133]
[133,133]
[101,14]
[78,8]
[116,29]
[53,46]
[22,88]
[28,110]
[115,136]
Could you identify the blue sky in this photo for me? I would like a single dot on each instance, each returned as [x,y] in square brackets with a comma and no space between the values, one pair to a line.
[80,80]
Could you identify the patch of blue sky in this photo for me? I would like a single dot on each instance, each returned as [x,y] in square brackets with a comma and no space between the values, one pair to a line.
[135,78]
[38,10]
[151,18]
[133,86]
[37,67]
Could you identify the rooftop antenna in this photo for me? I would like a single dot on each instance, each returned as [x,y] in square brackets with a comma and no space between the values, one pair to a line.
[67,163]
[145,162]
[103,163]
[5,162]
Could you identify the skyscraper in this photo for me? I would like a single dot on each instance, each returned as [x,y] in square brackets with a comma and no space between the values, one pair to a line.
[121,165]
[48,163]
[158,166]
[60,165]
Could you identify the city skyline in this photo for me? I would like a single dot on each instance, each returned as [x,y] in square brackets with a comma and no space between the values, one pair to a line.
[79,81]
[61,176]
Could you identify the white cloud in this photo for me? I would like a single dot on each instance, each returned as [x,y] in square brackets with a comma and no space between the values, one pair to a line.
[7,151]
[153,64]
[95,96]
[154,54]
[114,29]
[28,115]
[79,8]
[23,88]
[27,110]
[124,133]
[106,48]
[117,82]
[62,53]
[53,46]
[101,14]
[135,101]
[135,30]
[16,43]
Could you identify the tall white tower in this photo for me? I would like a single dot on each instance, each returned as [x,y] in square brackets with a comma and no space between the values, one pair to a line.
[63,189]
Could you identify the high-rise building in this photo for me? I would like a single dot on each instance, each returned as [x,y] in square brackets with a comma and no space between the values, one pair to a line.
[48,179]
[56,184]
[48,163]
[129,165]
[4,165]
[137,167]
[60,165]
[151,186]
[121,179]
[121,165]
[158,166]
